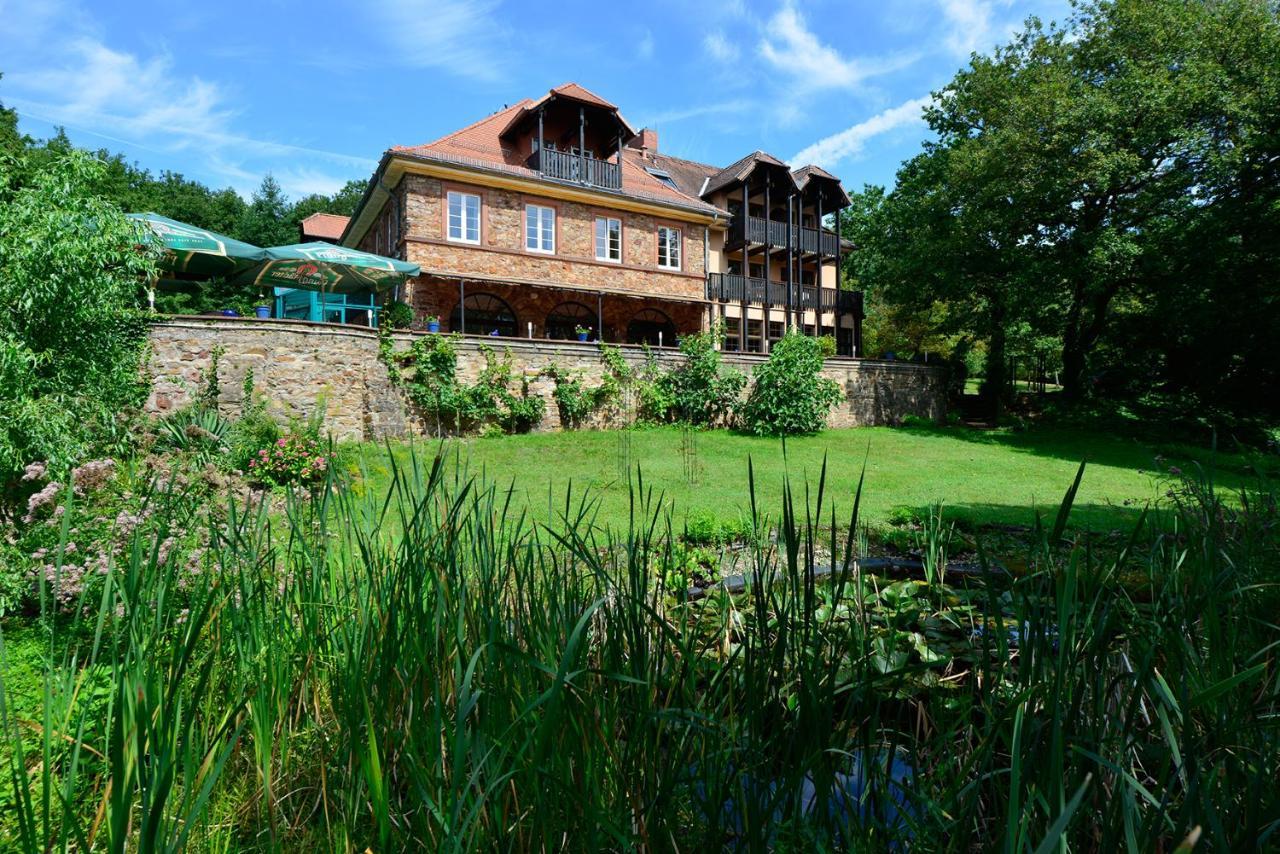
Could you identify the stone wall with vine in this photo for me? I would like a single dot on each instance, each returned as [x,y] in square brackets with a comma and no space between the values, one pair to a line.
[361,379]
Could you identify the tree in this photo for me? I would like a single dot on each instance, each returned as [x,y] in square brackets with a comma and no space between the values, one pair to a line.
[1070,167]
[71,335]
[266,220]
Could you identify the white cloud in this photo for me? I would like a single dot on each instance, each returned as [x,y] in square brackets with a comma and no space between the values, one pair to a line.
[678,115]
[850,142]
[972,24]
[793,49]
[719,47]
[644,48]
[302,181]
[460,37]
[114,91]
[64,74]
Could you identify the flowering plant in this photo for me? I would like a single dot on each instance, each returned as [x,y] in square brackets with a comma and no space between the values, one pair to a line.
[295,458]
[582,330]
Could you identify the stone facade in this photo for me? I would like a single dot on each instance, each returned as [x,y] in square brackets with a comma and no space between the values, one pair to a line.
[298,366]
[412,225]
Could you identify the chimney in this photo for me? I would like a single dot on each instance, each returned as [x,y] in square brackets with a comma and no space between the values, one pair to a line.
[647,141]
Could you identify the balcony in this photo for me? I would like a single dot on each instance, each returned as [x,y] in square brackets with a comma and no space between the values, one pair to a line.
[577,169]
[736,288]
[756,230]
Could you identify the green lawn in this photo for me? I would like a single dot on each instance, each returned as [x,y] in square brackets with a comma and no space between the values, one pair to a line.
[985,476]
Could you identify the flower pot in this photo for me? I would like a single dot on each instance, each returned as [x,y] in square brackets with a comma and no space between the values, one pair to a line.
[433,326]
[230,312]
[262,311]
[582,336]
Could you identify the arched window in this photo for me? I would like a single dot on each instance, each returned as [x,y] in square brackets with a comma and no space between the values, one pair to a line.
[563,320]
[485,313]
[645,326]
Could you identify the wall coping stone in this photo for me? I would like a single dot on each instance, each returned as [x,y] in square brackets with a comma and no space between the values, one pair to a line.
[572,348]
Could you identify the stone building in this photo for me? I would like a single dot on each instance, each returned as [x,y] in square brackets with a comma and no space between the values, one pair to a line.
[554,214]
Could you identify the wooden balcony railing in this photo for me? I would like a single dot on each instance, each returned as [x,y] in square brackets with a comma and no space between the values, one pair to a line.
[736,288]
[759,231]
[577,169]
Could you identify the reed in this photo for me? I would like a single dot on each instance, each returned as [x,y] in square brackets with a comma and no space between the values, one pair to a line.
[476,681]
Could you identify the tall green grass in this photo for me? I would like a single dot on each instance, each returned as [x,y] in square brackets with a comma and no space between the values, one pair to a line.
[481,682]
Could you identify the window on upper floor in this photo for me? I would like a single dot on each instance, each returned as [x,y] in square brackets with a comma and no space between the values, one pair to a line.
[663,176]
[539,228]
[608,239]
[464,217]
[668,247]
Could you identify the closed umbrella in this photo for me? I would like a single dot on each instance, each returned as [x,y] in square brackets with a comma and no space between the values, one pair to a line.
[332,269]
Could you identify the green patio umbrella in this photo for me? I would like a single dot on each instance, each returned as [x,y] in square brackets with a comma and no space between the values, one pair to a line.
[324,267]
[198,251]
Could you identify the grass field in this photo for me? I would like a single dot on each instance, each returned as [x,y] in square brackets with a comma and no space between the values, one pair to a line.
[984,476]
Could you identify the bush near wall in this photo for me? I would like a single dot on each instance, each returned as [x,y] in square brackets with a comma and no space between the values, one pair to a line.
[789,396]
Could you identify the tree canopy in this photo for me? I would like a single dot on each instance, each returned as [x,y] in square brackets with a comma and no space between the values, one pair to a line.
[1110,184]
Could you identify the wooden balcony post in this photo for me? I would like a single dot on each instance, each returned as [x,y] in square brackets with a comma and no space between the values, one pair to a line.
[768,254]
[839,279]
[582,145]
[790,266]
[746,262]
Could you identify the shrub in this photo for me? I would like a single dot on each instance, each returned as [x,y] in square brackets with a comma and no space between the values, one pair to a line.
[197,432]
[293,459]
[71,335]
[788,396]
[575,401]
[254,431]
[700,391]
[433,385]
[396,315]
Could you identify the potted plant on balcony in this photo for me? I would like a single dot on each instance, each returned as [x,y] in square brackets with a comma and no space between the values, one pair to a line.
[433,323]
[583,332]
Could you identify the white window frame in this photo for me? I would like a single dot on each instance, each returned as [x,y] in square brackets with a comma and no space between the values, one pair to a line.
[461,199]
[607,220]
[544,215]
[674,259]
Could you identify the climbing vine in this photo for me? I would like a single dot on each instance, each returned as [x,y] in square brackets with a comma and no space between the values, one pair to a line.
[428,374]
[578,402]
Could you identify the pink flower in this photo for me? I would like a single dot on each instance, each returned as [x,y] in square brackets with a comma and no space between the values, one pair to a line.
[41,499]
[33,471]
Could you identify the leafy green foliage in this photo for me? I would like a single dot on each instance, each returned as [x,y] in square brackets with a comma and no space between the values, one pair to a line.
[295,459]
[71,335]
[1110,186]
[698,391]
[396,314]
[282,657]
[788,397]
[432,383]
[255,429]
[577,402]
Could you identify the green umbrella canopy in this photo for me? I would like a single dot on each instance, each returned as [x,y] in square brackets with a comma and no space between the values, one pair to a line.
[324,267]
[198,251]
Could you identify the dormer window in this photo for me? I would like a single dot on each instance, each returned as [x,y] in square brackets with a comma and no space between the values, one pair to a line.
[663,176]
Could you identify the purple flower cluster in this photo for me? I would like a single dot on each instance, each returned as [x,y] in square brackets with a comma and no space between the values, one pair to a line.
[40,500]
[93,475]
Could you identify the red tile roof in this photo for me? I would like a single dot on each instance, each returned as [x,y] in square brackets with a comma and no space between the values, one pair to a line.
[323,226]
[480,144]
[581,93]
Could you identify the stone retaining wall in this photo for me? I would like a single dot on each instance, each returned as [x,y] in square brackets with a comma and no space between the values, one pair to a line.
[299,365]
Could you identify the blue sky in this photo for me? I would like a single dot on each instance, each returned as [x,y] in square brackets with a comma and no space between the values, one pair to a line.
[314,92]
